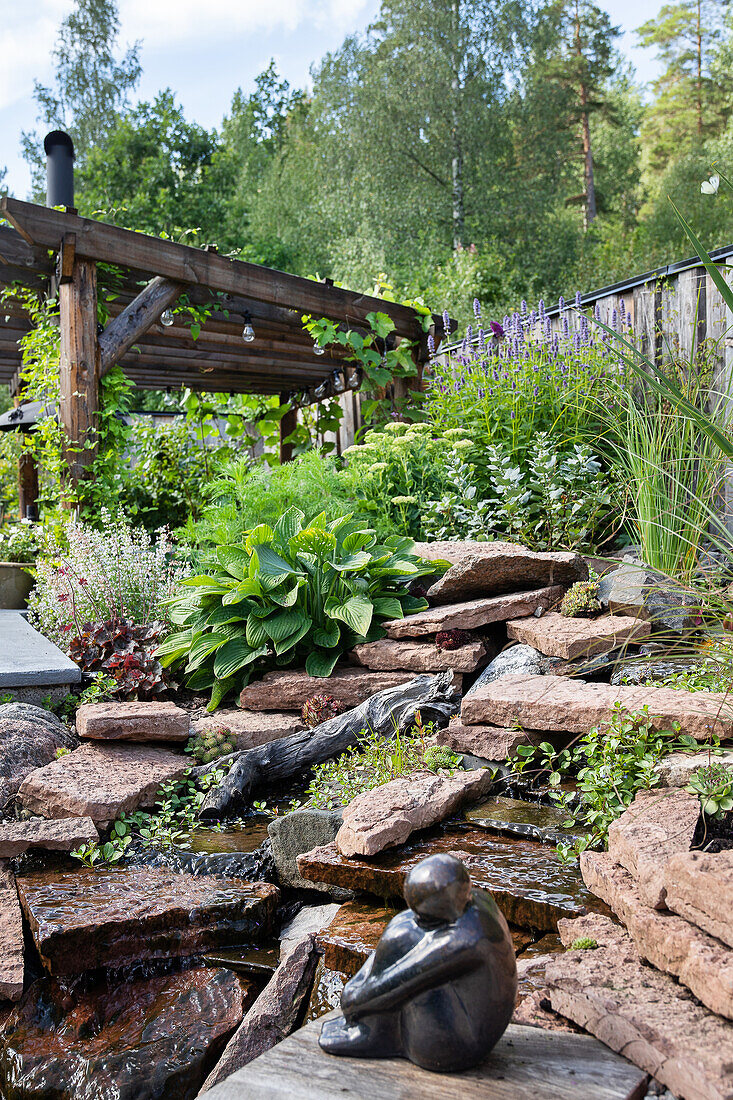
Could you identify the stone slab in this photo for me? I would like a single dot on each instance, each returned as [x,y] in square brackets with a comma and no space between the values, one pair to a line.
[62,835]
[559,704]
[657,825]
[289,690]
[677,769]
[699,886]
[114,917]
[557,636]
[388,654]
[386,816]
[473,614]
[527,1063]
[517,817]
[11,937]
[488,568]
[516,660]
[250,727]
[28,659]
[530,885]
[101,781]
[632,1007]
[673,945]
[133,722]
[310,919]
[486,742]
[353,934]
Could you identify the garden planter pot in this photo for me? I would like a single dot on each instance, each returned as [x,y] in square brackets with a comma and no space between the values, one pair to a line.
[15,584]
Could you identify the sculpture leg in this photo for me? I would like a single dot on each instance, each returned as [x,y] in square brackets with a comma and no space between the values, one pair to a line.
[370,1037]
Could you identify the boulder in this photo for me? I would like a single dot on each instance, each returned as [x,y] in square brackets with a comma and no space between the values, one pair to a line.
[29,738]
[677,769]
[133,722]
[485,742]
[101,781]
[149,1037]
[276,1012]
[640,671]
[474,613]
[657,824]
[297,832]
[250,727]
[389,654]
[699,886]
[288,690]
[518,660]
[386,816]
[632,589]
[672,944]
[643,1014]
[311,919]
[557,703]
[114,917]
[489,568]
[61,835]
[11,937]
[557,636]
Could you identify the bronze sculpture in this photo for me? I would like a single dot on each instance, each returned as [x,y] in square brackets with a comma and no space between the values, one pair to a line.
[441,985]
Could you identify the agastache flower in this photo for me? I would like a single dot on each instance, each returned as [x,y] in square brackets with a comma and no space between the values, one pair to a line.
[477,309]
[497,329]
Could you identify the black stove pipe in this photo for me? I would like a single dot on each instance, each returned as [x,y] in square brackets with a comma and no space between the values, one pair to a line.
[59,169]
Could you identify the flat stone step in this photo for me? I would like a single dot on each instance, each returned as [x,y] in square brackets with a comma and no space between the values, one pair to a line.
[530,885]
[672,944]
[677,769]
[389,654]
[289,690]
[699,886]
[133,721]
[61,835]
[632,1007]
[113,917]
[555,703]
[557,636]
[526,1064]
[353,934]
[11,937]
[486,742]
[101,781]
[28,659]
[250,727]
[473,614]
[487,568]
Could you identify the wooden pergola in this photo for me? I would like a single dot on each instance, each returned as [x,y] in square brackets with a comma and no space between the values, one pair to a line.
[56,250]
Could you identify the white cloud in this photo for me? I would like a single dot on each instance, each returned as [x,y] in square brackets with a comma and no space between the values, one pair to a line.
[27,34]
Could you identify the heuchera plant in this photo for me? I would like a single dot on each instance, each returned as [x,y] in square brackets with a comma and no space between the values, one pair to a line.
[124,653]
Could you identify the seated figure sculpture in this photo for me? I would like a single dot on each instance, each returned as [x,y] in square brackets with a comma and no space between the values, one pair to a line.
[441,985]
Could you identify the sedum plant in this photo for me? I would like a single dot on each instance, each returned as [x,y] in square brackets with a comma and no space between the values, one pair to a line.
[581,600]
[290,594]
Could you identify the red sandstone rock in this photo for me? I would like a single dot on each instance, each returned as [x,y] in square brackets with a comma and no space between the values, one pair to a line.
[487,568]
[677,769]
[673,945]
[250,728]
[474,613]
[386,816]
[488,742]
[535,1010]
[556,703]
[132,722]
[11,937]
[101,781]
[289,690]
[643,1014]
[657,825]
[60,835]
[699,886]
[389,654]
[353,934]
[556,636]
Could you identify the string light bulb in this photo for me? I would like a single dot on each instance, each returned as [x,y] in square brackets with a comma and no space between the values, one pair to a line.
[353,378]
[317,349]
[248,332]
[167,318]
[339,382]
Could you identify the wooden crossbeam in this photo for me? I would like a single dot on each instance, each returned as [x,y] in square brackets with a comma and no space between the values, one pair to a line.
[45,227]
[135,320]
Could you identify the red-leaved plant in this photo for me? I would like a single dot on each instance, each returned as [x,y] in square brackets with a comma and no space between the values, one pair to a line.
[125,652]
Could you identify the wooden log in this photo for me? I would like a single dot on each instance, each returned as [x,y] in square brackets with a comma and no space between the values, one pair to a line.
[135,320]
[27,485]
[79,367]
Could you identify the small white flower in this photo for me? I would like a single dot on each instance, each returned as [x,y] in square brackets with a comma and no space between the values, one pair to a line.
[710,187]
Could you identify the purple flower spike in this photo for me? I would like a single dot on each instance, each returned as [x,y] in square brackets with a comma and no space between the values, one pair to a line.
[431,345]
[561,303]
[477,309]
[578,303]
[446,322]
[497,329]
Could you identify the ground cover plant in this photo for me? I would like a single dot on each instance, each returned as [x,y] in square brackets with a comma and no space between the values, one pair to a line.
[19,542]
[289,594]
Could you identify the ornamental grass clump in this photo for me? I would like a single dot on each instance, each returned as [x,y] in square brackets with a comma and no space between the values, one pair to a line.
[291,594]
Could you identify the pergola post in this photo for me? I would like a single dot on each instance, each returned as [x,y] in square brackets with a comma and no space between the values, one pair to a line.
[27,485]
[79,368]
[288,424]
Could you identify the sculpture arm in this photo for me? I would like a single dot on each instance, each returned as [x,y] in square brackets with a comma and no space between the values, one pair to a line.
[428,964]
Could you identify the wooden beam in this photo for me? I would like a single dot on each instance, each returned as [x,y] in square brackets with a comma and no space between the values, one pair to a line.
[27,485]
[79,367]
[135,320]
[288,424]
[45,227]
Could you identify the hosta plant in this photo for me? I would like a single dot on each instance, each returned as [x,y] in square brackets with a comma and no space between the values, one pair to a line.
[290,595]
[124,653]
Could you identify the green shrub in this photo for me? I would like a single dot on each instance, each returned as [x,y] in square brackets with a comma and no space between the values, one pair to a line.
[19,542]
[290,594]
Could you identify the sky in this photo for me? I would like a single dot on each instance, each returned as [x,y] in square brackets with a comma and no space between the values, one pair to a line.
[205,51]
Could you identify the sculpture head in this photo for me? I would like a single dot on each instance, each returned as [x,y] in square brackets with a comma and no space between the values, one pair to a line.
[438,889]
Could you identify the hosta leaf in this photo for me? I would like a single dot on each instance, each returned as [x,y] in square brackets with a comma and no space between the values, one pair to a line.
[320,663]
[202,648]
[272,565]
[397,568]
[235,560]
[388,607]
[286,599]
[356,612]
[256,632]
[261,535]
[174,647]
[313,540]
[336,526]
[357,540]
[289,524]
[284,624]
[287,644]
[220,689]
[354,563]
[235,655]
[328,635]
[224,614]
[412,604]
[202,679]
